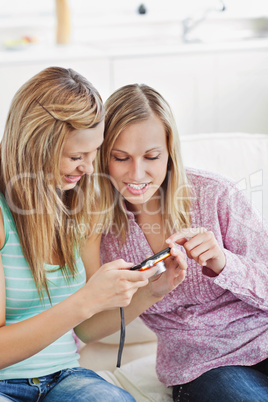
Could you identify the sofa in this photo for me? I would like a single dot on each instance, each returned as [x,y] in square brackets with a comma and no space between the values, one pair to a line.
[242,157]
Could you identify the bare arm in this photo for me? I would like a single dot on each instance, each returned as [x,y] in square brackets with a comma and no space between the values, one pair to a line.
[110,287]
[108,322]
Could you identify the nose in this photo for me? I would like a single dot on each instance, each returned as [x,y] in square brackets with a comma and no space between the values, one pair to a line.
[137,171]
[87,165]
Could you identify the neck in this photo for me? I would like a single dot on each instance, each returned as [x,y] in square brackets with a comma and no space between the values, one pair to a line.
[151,207]
[149,218]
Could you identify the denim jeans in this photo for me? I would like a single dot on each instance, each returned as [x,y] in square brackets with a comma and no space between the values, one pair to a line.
[70,385]
[227,384]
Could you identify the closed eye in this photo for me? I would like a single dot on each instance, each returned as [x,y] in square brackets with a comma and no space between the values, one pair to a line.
[79,158]
[120,159]
[152,158]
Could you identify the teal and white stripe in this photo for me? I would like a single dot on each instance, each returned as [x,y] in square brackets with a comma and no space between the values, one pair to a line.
[22,302]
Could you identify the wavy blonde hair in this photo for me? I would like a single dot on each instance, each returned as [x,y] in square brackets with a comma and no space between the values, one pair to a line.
[126,106]
[42,114]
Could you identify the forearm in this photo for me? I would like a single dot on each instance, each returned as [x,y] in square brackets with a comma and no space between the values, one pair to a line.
[24,339]
[108,322]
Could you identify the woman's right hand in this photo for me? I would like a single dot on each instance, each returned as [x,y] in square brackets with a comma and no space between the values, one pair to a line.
[175,274]
[113,285]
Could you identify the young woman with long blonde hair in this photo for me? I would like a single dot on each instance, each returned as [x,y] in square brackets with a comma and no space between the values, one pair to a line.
[212,329]
[53,131]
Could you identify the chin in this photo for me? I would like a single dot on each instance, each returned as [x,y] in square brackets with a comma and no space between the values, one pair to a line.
[136,200]
[68,186]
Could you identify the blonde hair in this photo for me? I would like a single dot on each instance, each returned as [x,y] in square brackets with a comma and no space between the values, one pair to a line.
[126,106]
[42,114]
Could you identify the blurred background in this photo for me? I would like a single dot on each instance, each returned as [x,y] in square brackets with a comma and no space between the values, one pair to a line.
[208,58]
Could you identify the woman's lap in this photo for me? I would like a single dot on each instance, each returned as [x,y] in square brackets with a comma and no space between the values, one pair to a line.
[86,387]
[227,384]
[71,385]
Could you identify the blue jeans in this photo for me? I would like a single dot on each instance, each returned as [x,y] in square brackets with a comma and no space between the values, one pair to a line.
[227,384]
[70,385]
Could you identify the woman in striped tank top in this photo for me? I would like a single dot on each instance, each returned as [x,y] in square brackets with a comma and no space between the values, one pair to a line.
[53,131]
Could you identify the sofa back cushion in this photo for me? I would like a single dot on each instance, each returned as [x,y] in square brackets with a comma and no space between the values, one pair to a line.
[242,157]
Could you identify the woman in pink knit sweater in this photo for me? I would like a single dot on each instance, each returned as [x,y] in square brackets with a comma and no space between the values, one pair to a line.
[212,329]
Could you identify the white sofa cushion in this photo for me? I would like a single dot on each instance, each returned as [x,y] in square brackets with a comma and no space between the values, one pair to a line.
[242,157]
[140,341]
[140,380]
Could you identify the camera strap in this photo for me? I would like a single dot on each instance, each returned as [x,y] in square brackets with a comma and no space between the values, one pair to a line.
[122,337]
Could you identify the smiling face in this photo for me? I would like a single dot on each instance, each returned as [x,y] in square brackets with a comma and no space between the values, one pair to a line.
[79,152]
[139,158]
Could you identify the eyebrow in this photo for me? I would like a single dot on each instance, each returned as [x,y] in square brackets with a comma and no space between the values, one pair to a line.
[77,152]
[82,152]
[149,150]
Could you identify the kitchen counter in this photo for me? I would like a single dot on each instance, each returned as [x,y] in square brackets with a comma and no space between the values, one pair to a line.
[173,46]
[45,53]
[124,48]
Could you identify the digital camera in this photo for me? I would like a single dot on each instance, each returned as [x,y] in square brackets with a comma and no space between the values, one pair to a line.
[156,259]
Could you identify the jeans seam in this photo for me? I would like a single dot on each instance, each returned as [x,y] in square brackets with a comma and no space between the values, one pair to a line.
[179,395]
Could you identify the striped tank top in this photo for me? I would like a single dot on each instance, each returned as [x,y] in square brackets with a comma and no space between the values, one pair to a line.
[22,302]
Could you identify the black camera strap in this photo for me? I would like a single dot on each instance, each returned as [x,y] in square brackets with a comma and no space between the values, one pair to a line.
[122,337]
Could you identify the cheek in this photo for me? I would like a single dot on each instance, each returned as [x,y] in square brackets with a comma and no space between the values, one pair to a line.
[66,167]
[114,175]
[114,170]
[62,166]
[160,169]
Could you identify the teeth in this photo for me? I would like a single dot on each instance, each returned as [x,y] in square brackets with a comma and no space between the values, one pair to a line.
[137,186]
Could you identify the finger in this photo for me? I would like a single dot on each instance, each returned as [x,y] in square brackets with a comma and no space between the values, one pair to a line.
[211,253]
[174,250]
[118,264]
[182,262]
[179,257]
[179,278]
[140,284]
[184,234]
[194,249]
[134,276]
[197,240]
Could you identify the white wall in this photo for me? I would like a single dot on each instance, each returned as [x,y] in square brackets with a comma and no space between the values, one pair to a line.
[238,7]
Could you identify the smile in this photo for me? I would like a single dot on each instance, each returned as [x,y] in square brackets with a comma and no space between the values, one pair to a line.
[137,186]
[72,179]
[137,189]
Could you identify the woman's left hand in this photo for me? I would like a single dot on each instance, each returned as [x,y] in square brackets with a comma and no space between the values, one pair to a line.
[202,246]
[172,277]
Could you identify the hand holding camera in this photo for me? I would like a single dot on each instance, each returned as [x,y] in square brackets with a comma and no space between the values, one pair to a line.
[175,267]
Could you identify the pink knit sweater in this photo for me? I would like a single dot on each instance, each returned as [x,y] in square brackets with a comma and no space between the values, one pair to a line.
[210,321]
